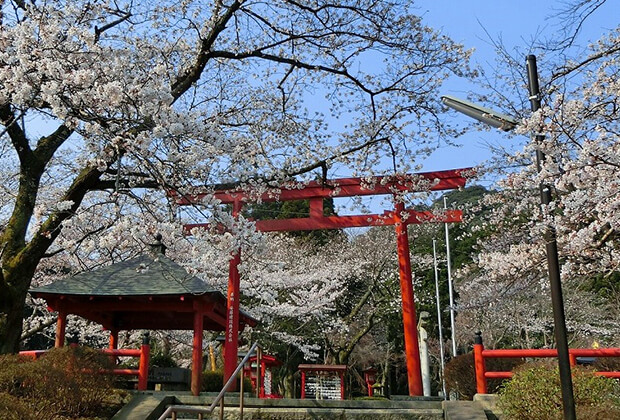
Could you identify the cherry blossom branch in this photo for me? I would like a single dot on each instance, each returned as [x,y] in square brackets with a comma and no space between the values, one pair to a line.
[157,181]
[80,240]
[40,327]
[566,70]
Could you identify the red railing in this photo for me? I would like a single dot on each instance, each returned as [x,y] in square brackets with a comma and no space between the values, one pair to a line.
[480,354]
[35,354]
[143,353]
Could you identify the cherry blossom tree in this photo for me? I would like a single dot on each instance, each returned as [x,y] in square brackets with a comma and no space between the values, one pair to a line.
[327,303]
[101,99]
[507,292]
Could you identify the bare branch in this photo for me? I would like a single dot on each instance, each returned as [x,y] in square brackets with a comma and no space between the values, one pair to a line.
[574,17]
[294,63]
[99,31]
[192,75]
[16,134]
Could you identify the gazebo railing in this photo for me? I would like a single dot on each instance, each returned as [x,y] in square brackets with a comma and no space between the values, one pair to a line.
[143,353]
[172,410]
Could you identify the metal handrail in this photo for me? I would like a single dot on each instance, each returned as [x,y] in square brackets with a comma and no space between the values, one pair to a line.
[201,410]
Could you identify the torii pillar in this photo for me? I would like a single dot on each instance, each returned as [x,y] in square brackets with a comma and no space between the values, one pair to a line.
[412,350]
[231,342]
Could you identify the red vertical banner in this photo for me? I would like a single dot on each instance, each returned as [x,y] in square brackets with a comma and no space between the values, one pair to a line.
[231,344]
[412,351]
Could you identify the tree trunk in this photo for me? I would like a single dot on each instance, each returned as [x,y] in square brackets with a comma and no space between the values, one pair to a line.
[289,384]
[12,304]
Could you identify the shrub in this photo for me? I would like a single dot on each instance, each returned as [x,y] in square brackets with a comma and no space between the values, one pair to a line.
[65,382]
[461,376]
[213,381]
[607,364]
[535,393]
[12,408]
[162,360]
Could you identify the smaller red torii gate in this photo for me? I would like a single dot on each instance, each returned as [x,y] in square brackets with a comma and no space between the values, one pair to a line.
[315,192]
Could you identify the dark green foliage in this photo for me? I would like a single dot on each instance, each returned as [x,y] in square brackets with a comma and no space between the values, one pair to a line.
[604,285]
[162,360]
[294,210]
[534,393]
[461,376]
[463,243]
[213,381]
[65,382]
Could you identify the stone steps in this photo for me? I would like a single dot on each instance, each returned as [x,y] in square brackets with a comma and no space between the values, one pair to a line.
[150,405]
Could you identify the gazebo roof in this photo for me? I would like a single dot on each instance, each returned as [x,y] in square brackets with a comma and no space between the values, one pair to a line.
[147,292]
[153,275]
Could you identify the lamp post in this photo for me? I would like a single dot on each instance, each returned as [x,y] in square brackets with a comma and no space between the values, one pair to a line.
[507,123]
[552,260]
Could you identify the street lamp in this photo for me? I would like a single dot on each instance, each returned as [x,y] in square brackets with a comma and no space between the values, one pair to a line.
[507,123]
[482,114]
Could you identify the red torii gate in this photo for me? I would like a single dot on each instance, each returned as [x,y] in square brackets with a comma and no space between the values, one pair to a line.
[315,192]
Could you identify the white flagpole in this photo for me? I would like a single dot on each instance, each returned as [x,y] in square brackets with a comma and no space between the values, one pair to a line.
[441,351]
[450,290]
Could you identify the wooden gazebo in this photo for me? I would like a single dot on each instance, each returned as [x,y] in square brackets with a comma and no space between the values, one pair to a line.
[149,292]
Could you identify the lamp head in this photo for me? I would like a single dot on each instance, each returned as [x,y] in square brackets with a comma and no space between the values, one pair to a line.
[482,114]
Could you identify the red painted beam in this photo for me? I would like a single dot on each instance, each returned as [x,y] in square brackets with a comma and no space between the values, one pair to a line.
[340,222]
[498,375]
[108,305]
[509,353]
[122,352]
[343,187]
[608,374]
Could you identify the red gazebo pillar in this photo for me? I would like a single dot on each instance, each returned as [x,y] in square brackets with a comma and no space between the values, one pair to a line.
[412,351]
[61,329]
[113,339]
[197,351]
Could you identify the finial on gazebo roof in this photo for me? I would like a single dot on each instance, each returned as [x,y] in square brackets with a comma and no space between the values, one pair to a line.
[158,247]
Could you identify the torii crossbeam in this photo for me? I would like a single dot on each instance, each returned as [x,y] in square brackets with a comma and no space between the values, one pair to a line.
[315,192]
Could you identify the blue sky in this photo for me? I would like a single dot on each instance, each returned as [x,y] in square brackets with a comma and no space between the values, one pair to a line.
[516,23]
